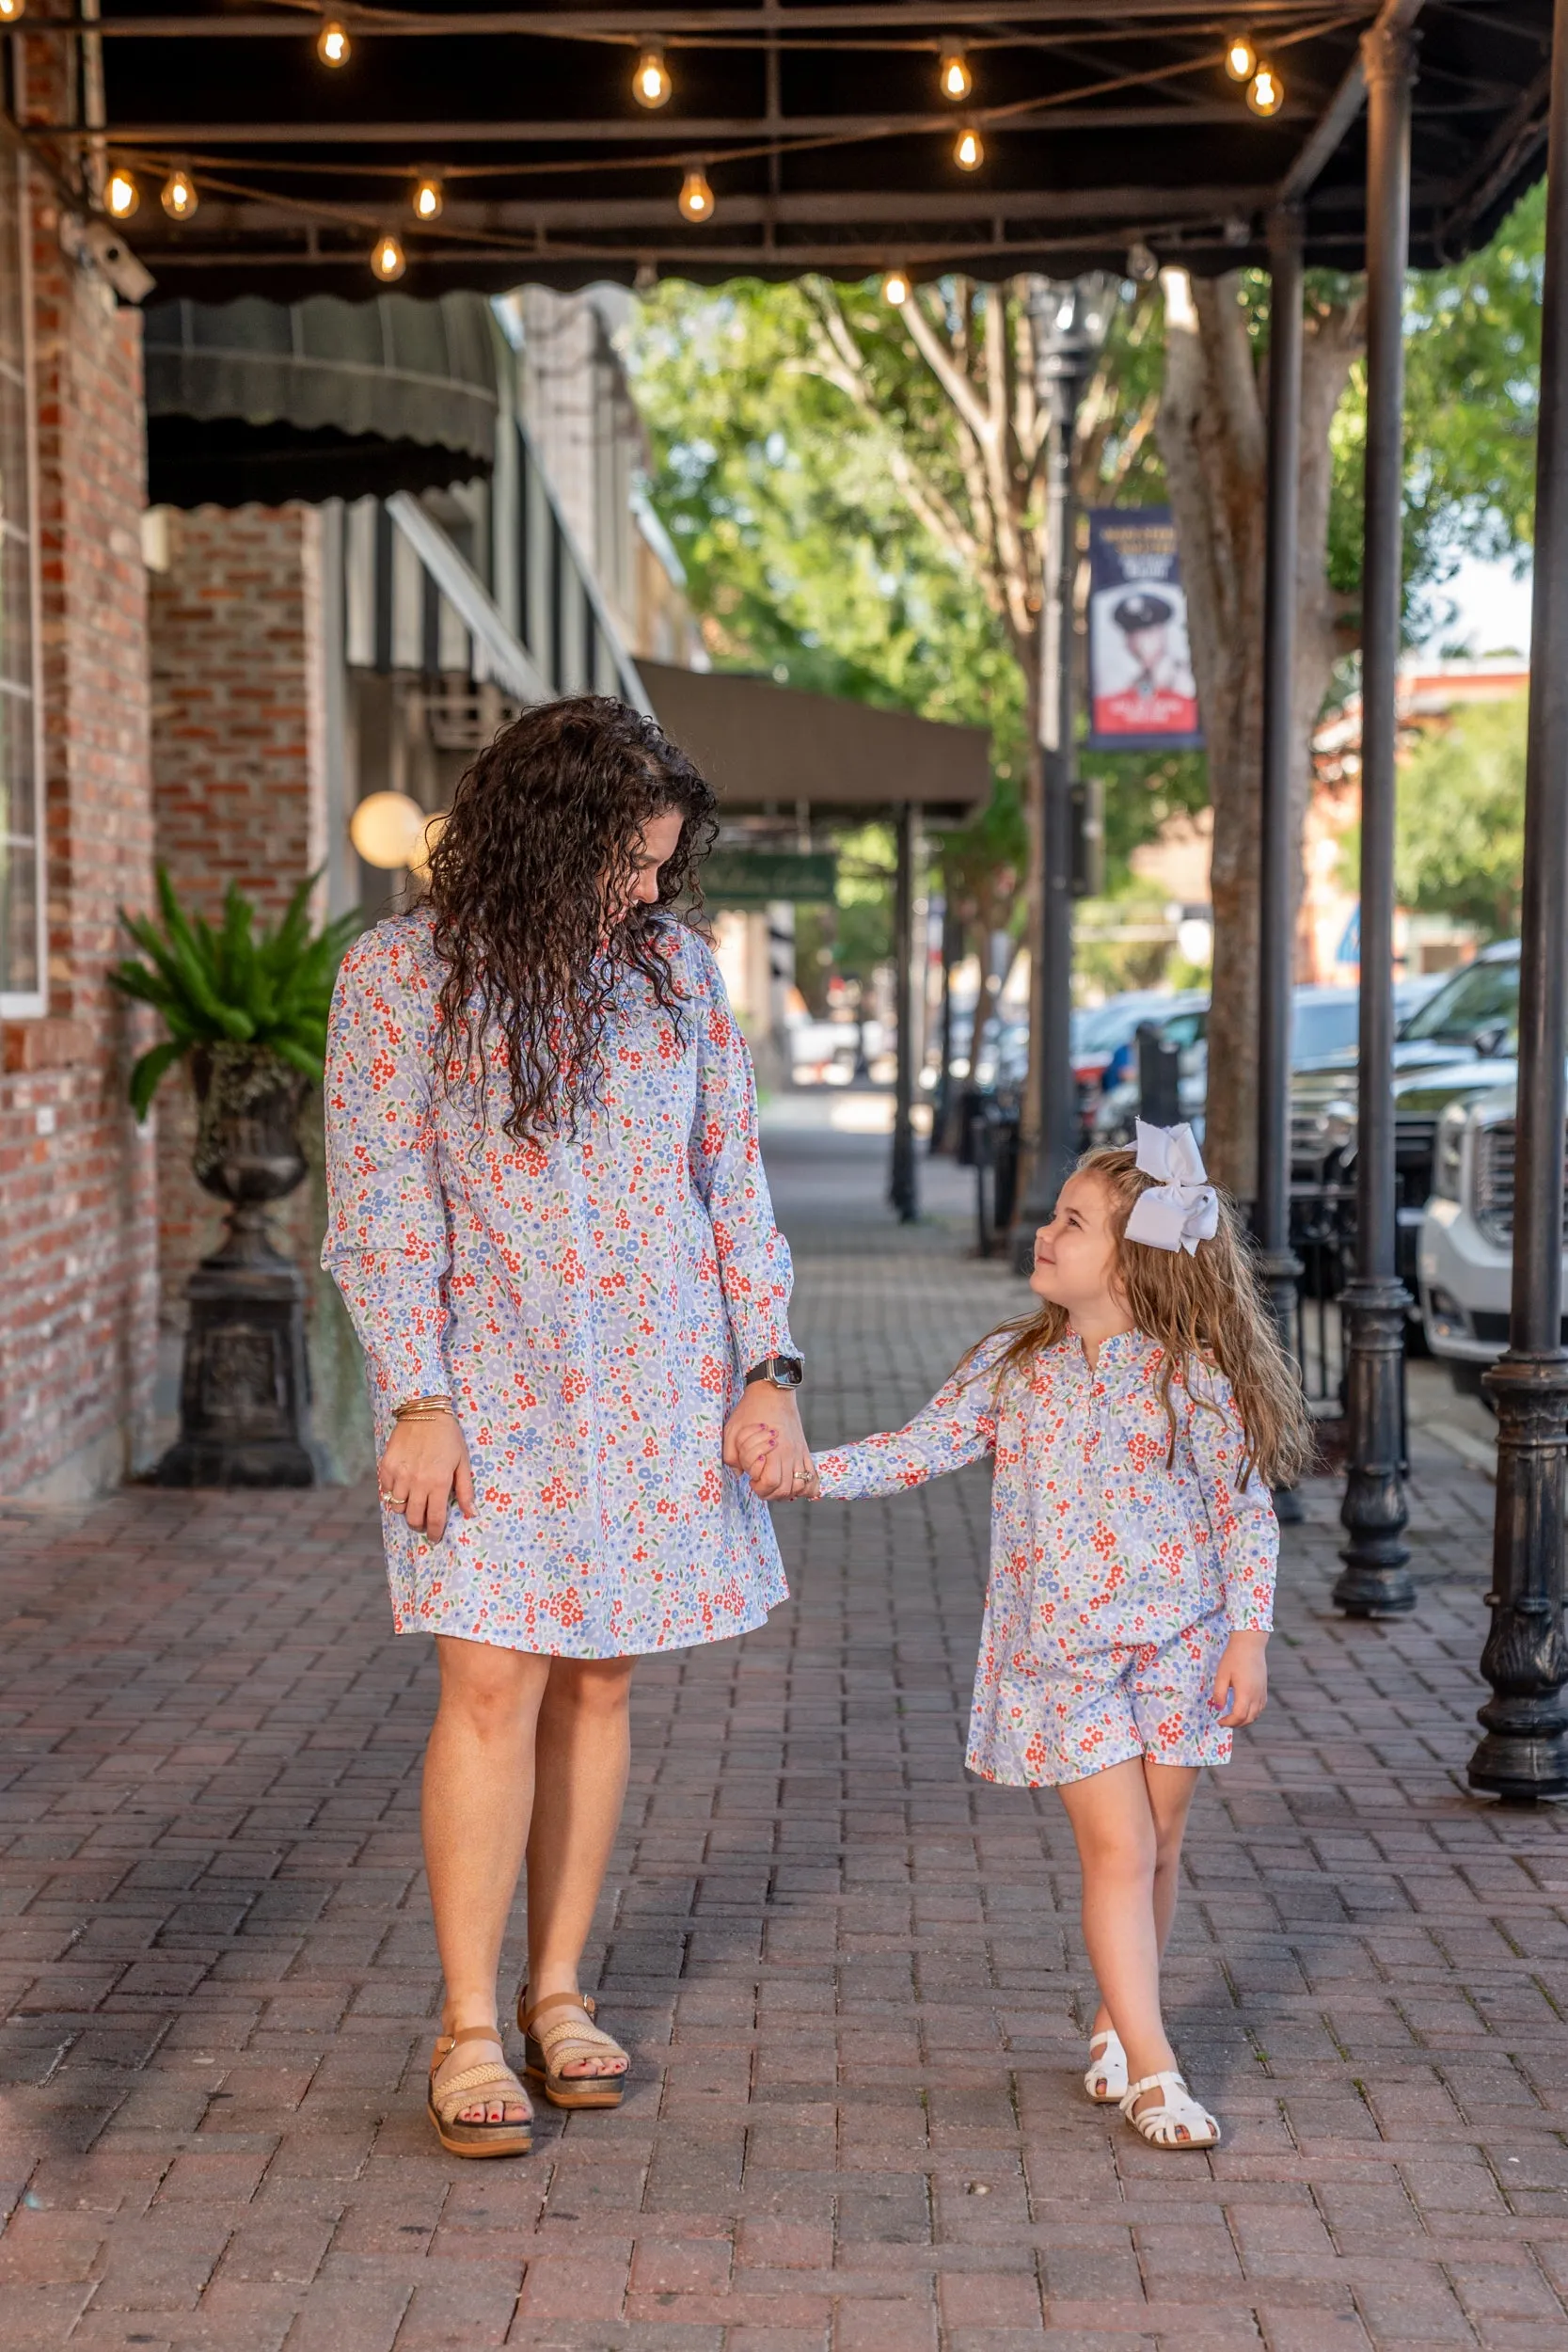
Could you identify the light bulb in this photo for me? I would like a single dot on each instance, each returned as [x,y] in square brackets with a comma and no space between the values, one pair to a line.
[386,259]
[12,9]
[332,43]
[651,84]
[969,154]
[696,196]
[895,289]
[1265,91]
[1240,58]
[428,199]
[388,830]
[954,76]
[178,195]
[120,194]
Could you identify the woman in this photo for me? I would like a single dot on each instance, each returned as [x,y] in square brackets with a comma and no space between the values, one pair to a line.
[549,1221]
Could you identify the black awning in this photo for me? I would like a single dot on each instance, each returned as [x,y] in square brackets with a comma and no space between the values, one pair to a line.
[266,401]
[820,128]
[771,749]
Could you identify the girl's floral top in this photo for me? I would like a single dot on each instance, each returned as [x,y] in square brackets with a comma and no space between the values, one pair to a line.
[590,1303]
[1095,1543]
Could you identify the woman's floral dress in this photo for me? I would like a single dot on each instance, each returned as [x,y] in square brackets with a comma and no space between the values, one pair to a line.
[1115,1579]
[590,1304]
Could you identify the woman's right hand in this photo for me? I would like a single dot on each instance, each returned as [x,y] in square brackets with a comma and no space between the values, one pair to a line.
[425,1463]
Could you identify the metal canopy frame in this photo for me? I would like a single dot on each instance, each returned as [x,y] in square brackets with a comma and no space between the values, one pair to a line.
[820,129]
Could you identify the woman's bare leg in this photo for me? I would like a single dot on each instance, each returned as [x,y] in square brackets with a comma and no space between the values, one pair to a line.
[1128,1822]
[582,1752]
[475,1809]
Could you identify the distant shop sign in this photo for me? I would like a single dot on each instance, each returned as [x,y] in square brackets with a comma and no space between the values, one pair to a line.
[757,878]
[1142,697]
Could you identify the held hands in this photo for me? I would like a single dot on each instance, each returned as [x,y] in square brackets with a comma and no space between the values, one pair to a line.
[425,1463]
[1243,1680]
[764,1440]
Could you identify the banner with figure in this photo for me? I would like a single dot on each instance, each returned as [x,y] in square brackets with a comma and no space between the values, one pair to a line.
[1142,697]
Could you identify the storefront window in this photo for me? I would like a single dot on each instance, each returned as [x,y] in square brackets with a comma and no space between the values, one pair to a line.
[22,961]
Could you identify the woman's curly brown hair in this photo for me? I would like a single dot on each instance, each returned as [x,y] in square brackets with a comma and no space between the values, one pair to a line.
[540,847]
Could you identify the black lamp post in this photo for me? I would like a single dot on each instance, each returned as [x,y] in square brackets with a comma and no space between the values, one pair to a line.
[1280,1264]
[1277,972]
[1068,322]
[904,1172]
[1376,1579]
[1524,1753]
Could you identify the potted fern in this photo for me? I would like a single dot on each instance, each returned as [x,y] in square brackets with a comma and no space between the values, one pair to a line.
[245,1009]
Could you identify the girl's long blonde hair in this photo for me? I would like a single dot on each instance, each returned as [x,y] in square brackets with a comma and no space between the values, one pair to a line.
[1206,1309]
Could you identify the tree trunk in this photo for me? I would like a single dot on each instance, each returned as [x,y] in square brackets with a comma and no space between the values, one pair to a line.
[1335,338]
[1212,437]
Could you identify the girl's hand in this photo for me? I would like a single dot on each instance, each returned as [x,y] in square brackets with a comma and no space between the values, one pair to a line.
[785,1475]
[424,1463]
[1242,1679]
[752,1446]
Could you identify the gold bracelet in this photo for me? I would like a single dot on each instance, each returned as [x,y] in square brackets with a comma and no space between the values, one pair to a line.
[422,1408]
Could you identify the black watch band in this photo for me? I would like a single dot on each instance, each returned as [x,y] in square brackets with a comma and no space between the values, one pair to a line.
[780,1372]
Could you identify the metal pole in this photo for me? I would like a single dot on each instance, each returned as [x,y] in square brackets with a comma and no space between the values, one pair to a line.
[1376,1578]
[904,1181]
[1524,1753]
[1280,1264]
[1064,356]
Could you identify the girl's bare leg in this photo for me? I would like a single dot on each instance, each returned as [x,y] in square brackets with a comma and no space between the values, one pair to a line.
[582,1748]
[476,1803]
[1127,1823]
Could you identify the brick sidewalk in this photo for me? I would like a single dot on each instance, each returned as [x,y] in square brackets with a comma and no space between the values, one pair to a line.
[853,1980]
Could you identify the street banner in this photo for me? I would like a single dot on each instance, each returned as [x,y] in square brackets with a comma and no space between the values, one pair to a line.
[1142,697]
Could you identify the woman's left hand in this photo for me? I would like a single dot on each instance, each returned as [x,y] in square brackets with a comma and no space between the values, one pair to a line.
[786,1470]
[1242,1679]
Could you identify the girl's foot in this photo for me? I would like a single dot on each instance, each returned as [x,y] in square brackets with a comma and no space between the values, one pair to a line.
[1162,2109]
[475,2101]
[1106,2080]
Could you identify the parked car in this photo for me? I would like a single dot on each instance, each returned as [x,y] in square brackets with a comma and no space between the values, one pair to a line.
[1182,1022]
[1457,1045]
[1466,1258]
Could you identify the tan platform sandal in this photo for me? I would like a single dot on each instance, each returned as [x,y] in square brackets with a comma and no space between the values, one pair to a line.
[546,2049]
[496,2080]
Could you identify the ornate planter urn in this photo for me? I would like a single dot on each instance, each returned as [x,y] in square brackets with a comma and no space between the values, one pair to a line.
[244,1395]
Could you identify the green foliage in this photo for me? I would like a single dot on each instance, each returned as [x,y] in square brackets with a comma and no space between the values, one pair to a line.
[239,984]
[1461,842]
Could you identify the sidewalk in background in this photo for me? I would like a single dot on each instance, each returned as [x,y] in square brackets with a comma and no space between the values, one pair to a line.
[852,1980]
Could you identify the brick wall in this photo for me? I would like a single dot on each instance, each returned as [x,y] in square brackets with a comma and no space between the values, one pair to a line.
[77,1213]
[237,703]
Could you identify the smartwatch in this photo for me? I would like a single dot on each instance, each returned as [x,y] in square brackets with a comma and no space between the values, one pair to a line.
[780,1372]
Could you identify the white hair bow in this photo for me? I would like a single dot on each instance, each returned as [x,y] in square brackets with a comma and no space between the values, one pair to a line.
[1183,1208]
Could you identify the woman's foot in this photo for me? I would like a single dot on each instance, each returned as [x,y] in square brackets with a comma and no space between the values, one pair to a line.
[478,2047]
[573,2059]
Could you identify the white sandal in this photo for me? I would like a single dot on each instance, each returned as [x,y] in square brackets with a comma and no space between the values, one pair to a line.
[1178,2123]
[1106,2080]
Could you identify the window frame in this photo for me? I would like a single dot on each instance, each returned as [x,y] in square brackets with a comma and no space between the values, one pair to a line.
[30,1004]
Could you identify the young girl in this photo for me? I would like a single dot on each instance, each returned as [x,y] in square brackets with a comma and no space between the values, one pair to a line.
[1138,1419]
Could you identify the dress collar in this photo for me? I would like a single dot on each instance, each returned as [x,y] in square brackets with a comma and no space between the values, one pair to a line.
[1123,1352]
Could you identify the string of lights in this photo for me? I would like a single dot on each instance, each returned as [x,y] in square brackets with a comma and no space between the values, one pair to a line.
[653,88]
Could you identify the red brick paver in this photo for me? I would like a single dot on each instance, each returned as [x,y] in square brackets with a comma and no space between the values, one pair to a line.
[852,1980]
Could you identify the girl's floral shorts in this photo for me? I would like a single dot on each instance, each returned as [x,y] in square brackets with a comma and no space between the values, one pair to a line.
[1145,1700]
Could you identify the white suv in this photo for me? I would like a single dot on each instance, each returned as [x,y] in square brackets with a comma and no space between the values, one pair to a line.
[1467,1246]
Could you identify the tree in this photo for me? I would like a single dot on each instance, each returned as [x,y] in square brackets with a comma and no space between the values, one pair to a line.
[1461,840]
[867,492]
[1214,438]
